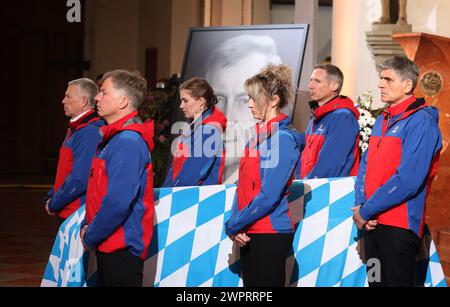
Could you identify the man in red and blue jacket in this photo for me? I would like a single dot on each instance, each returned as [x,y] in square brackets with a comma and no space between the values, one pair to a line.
[77,150]
[396,174]
[200,156]
[332,136]
[119,200]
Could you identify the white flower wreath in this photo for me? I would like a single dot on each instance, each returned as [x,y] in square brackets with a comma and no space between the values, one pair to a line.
[367,119]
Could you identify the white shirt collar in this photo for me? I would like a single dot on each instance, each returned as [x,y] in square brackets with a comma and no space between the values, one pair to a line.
[79,116]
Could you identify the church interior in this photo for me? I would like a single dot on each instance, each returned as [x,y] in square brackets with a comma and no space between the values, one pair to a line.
[47,43]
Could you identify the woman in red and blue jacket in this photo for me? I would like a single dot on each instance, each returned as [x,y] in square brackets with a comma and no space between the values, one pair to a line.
[261,222]
[199,157]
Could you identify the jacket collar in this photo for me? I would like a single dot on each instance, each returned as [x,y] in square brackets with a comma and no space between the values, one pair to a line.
[339,102]
[108,131]
[409,104]
[84,120]
[198,122]
[265,130]
[402,111]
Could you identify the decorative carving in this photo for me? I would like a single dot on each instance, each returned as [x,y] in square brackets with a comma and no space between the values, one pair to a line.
[431,83]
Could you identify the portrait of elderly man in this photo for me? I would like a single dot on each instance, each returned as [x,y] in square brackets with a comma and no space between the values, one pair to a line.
[231,63]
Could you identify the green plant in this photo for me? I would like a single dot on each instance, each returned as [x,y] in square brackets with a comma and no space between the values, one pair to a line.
[159,106]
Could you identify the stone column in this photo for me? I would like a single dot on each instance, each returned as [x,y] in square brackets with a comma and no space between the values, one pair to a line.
[306,12]
[380,41]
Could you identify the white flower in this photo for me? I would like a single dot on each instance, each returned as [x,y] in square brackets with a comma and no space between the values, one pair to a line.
[367,114]
[364,147]
[366,100]
[365,137]
[368,131]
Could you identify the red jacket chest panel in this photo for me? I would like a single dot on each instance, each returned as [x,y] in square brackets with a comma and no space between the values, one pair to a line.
[382,161]
[65,164]
[310,155]
[180,158]
[97,188]
[249,177]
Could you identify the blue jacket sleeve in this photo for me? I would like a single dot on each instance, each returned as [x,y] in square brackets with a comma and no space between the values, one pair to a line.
[75,185]
[168,183]
[274,181]
[206,149]
[298,168]
[124,168]
[338,146]
[420,143]
[360,194]
[49,195]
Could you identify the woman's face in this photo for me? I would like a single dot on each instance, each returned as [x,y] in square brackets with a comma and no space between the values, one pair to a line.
[258,109]
[191,106]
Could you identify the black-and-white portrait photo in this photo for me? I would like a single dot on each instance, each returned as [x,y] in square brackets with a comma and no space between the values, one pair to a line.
[226,57]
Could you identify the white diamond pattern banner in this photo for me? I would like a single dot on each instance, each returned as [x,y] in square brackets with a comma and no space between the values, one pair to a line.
[190,248]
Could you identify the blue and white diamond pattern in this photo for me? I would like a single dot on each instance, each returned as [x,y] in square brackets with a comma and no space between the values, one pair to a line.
[190,248]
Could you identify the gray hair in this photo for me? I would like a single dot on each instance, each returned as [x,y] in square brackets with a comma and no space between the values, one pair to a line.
[404,68]
[334,74]
[134,85]
[87,88]
[237,48]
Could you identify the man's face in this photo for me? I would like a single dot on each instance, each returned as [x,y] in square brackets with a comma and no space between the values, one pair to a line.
[73,102]
[320,88]
[393,89]
[228,84]
[109,100]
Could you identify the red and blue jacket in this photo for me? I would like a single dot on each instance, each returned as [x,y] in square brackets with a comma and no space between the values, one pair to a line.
[332,142]
[75,158]
[119,199]
[200,156]
[266,172]
[395,175]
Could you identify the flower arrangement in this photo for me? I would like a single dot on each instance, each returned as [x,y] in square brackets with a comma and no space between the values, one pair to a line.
[159,106]
[367,119]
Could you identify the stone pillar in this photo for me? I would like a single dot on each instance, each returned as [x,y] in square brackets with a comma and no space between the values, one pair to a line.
[260,12]
[380,41]
[185,14]
[236,12]
[306,12]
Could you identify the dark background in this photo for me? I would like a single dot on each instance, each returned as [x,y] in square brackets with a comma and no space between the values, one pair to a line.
[40,51]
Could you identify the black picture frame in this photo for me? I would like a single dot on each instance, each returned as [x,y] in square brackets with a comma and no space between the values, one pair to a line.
[290,41]
[226,57]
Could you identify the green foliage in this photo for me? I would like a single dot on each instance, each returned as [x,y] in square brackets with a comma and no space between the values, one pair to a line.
[159,106]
